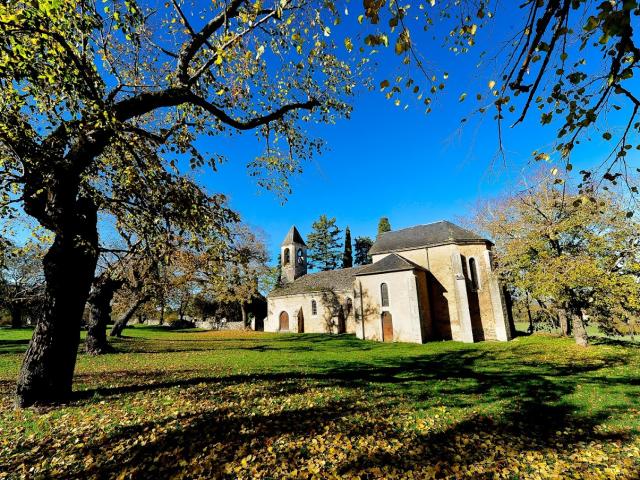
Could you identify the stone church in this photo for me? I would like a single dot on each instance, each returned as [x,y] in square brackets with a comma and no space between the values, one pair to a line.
[427,282]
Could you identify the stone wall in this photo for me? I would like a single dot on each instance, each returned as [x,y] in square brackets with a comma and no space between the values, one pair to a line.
[324,321]
[223,325]
[404,306]
[438,304]
[458,311]
[481,311]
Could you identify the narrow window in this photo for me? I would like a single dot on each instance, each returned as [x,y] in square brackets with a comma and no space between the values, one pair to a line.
[300,257]
[473,273]
[384,294]
[287,257]
[349,305]
[314,307]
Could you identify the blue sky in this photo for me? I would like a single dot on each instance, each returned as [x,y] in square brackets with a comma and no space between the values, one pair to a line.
[404,164]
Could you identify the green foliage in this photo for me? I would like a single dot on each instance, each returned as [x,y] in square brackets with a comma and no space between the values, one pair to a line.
[573,252]
[383,226]
[241,274]
[324,244]
[362,247]
[102,103]
[234,404]
[347,256]
[546,68]
[67,71]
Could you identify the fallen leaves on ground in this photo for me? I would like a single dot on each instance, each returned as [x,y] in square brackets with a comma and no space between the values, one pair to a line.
[199,423]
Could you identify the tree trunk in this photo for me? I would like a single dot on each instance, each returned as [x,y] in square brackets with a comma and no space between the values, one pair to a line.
[16,316]
[579,330]
[531,327]
[69,265]
[161,321]
[121,323]
[243,312]
[565,326]
[508,300]
[100,315]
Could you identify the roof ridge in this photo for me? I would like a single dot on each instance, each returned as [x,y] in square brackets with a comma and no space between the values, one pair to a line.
[441,232]
[419,225]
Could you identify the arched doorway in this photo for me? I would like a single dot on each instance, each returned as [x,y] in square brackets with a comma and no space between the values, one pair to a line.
[284,321]
[387,327]
[300,321]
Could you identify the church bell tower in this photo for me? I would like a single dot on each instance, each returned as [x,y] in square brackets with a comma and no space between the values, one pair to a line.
[293,256]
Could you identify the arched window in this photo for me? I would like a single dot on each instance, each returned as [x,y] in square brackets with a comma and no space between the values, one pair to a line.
[349,305]
[384,295]
[287,257]
[473,274]
[314,307]
[300,259]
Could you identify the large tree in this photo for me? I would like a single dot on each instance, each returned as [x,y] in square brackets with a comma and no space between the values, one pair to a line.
[324,244]
[362,247]
[238,276]
[147,230]
[577,254]
[88,88]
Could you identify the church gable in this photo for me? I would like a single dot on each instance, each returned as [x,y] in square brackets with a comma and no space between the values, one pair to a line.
[390,263]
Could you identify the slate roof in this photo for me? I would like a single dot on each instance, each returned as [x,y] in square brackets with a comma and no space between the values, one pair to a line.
[293,237]
[390,263]
[429,235]
[335,280]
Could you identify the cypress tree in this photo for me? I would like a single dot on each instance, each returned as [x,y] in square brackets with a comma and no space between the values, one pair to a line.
[383,226]
[347,256]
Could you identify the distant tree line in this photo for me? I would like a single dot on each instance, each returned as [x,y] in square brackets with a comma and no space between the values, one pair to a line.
[161,280]
[327,250]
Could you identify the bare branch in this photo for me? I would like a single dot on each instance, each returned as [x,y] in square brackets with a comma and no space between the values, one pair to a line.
[148,101]
[256,121]
[190,48]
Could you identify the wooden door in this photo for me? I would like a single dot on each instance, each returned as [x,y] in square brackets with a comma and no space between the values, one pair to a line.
[284,321]
[300,321]
[387,327]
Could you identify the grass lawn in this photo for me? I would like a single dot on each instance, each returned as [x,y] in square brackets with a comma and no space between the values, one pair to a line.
[250,405]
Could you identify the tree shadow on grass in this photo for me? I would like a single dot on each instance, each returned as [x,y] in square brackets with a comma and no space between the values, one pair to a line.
[534,412]
[293,343]
[13,346]
[533,399]
[458,378]
[615,342]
